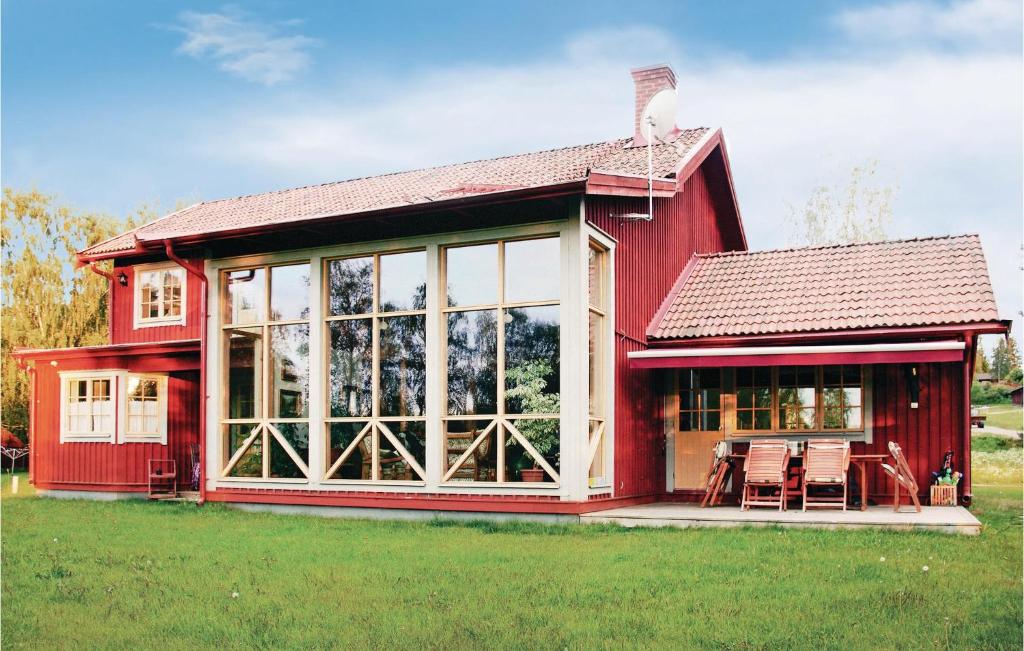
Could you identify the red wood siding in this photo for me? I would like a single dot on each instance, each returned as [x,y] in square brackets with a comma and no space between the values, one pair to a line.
[925,433]
[107,466]
[649,257]
[122,311]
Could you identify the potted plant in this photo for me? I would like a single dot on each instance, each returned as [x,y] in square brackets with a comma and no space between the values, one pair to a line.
[527,382]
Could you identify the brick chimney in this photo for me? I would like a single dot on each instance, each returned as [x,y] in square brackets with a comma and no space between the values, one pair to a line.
[647,82]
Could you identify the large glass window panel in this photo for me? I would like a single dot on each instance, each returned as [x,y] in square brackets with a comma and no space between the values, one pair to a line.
[412,435]
[289,292]
[596,354]
[596,277]
[403,281]
[350,286]
[245,296]
[250,464]
[296,435]
[532,270]
[482,463]
[403,377]
[532,360]
[472,275]
[244,352]
[357,465]
[289,380]
[597,428]
[472,362]
[351,367]
[544,435]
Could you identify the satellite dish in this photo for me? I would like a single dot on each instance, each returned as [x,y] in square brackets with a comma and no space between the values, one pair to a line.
[659,116]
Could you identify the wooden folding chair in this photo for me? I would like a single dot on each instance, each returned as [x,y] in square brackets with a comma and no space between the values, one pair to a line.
[163,478]
[718,474]
[902,476]
[826,463]
[765,468]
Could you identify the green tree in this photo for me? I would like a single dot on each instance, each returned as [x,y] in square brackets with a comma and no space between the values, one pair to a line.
[46,303]
[1012,358]
[860,212]
[981,364]
[1001,360]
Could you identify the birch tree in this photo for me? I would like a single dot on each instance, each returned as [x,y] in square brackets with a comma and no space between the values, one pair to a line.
[45,302]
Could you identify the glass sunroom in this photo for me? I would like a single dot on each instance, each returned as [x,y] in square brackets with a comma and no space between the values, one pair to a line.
[451,363]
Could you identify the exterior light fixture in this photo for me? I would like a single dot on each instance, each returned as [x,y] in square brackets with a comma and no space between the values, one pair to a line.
[913,385]
[122,279]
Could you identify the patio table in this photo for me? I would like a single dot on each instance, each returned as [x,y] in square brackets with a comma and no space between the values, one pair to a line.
[859,460]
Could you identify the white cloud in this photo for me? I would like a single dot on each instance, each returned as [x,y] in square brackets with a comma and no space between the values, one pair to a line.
[243,46]
[944,126]
[972,23]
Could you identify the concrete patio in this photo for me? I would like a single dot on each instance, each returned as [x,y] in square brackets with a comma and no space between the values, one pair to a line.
[943,519]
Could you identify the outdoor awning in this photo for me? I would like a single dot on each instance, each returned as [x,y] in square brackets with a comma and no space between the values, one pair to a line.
[891,353]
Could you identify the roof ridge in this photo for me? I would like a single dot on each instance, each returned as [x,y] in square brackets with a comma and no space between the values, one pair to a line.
[817,247]
[418,169]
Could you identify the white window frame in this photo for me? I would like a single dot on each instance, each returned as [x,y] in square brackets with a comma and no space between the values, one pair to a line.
[160,436]
[68,436]
[592,234]
[158,267]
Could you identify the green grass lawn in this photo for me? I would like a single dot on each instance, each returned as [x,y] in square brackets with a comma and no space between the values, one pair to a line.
[139,575]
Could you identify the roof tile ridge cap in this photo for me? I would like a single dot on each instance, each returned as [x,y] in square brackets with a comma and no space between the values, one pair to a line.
[629,141]
[135,231]
[673,293]
[415,170]
[847,245]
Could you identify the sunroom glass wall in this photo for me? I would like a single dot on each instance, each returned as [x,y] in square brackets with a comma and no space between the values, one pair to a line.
[265,427]
[502,322]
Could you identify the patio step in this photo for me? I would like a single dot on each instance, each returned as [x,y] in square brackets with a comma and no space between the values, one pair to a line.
[944,519]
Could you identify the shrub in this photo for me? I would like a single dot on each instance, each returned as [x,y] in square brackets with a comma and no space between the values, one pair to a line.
[988,393]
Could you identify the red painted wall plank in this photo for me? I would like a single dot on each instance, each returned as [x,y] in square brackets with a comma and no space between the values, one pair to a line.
[924,434]
[122,330]
[649,257]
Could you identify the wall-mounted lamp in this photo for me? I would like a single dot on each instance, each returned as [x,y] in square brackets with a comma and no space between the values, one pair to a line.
[913,385]
[122,279]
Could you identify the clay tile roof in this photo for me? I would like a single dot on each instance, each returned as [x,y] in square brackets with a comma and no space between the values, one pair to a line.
[521,171]
[919,282]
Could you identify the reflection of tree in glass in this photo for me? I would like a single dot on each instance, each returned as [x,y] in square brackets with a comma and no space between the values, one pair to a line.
[403,366]
[290,351]
[350,283]
[472,362]
[527,385]
[351,367]
[419,301]
[531,334]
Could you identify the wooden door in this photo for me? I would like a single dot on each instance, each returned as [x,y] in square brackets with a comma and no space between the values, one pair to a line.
[694,452]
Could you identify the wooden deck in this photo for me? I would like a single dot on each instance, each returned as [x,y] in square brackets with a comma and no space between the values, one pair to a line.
[944,519]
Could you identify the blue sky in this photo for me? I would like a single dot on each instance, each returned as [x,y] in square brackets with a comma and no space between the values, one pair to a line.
[110,105]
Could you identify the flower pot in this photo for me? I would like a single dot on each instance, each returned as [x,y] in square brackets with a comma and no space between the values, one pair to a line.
[531,474]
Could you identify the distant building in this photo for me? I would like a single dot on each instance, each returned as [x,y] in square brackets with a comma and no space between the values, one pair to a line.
[984,377]
[1017,396]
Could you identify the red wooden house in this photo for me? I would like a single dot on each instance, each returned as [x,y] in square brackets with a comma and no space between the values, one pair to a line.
[508,335]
